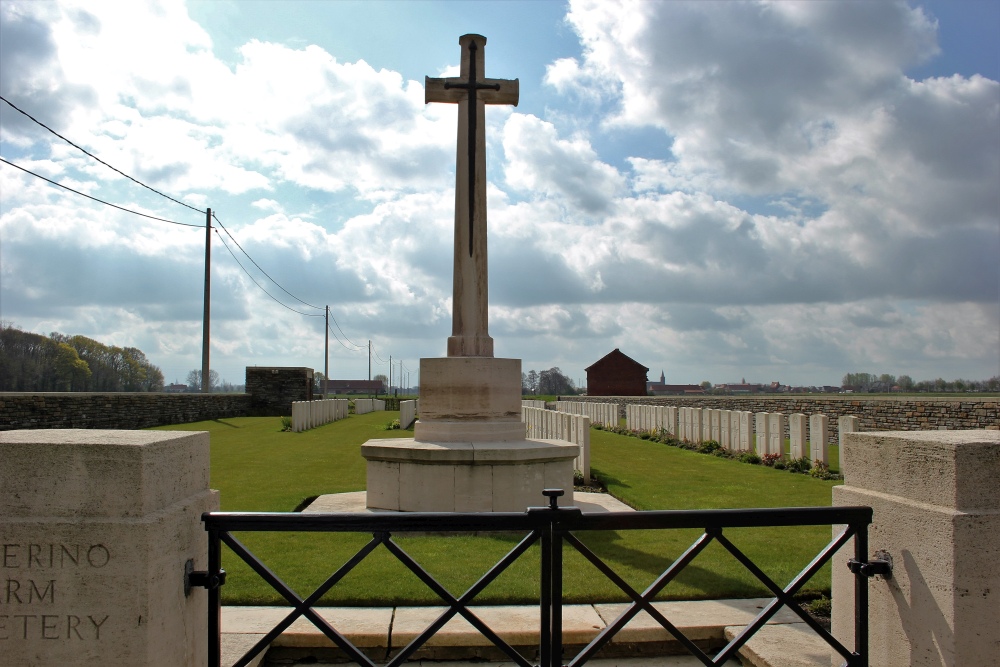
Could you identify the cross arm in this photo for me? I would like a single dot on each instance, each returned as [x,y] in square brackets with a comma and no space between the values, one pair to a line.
[435,91]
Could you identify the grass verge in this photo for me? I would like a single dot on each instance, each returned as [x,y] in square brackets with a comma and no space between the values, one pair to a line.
[257,467]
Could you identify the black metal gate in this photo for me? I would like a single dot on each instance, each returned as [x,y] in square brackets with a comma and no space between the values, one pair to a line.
[553,528]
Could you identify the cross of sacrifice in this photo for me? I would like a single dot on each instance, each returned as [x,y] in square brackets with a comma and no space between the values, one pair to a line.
[472,92]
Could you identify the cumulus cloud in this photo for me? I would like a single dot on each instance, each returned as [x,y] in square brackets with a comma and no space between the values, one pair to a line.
[810,209]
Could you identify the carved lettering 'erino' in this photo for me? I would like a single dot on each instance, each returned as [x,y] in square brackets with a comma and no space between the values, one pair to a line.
[31,556]
[51,626]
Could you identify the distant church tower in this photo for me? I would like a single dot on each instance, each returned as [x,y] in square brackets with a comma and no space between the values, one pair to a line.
[663,378]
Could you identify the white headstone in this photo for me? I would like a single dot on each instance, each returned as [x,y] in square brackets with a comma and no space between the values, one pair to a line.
[776,433]
[818,438]
[797,435]
[763,433]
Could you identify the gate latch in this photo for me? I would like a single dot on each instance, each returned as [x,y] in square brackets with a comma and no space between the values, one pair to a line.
[881,565]
[201,579]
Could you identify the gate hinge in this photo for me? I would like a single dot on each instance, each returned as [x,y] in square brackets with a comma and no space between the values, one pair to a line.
[200,578]
[880,565]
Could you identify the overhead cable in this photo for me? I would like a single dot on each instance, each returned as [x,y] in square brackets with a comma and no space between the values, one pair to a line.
[262,270]
[258,284]
[345,335]
[340,341]
[100,201]
[84,150]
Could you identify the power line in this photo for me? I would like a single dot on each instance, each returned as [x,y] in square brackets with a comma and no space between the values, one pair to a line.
[262,270]
[380,359]
[352,349]
[258,284]
[345,335]
[84,150]
[100,201]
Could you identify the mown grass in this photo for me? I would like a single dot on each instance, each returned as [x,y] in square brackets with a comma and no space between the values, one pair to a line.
[258,468]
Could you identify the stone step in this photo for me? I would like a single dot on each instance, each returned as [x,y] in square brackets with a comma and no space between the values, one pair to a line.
[381,631]
[791,645]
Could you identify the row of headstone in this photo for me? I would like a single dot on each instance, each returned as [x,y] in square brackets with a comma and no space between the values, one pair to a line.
[599,413]
[365,405]
[310,414]
[551,424]
[407,413]
[734,429]
[532,404]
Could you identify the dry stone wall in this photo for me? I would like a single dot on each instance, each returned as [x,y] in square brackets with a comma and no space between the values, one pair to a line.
[114,410]
[875,414]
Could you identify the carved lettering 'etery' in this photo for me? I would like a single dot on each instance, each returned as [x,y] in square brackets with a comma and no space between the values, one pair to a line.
[471,91]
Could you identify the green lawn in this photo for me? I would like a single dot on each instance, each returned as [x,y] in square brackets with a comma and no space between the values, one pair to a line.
[258,468]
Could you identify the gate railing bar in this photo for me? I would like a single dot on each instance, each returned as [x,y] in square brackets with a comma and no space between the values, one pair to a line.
[551,526]
[546,601]
[460,605]
[784,597]
[861,601]
[640,602]
[214,599]
[303,607]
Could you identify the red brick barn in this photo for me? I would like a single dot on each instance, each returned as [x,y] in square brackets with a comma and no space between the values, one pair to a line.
[616,374]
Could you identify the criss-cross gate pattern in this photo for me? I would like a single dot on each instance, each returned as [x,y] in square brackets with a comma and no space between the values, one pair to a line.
[551,527]
[713,522]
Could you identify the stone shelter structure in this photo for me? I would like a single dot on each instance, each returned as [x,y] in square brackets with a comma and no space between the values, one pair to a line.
[274,389]
[616,374]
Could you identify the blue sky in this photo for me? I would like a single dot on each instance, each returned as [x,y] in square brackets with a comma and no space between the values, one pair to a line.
[723,190]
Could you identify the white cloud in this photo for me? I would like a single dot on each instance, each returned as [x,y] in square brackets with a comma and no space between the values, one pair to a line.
[816,208]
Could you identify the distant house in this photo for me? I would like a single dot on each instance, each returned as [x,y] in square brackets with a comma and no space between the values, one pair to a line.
[616,374]
[175,388]
[661,388]
[354,387]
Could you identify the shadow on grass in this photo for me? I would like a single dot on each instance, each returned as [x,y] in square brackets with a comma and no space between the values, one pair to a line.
[616,551]
[225,423]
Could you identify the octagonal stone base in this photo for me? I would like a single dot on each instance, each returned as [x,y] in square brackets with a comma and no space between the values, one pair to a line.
[410,476]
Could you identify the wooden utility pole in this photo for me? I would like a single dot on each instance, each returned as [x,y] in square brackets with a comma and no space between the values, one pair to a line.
[206,373]
[326,354]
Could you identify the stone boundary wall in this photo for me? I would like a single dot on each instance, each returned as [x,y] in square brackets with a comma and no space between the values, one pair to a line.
[117,410]
[875,414]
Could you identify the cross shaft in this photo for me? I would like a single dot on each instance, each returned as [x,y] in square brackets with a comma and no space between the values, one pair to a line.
[471,91]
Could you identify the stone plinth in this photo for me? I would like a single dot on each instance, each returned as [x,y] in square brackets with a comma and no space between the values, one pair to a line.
[469,399]
[95,530]
[937,512]
[411,476]
[469,452]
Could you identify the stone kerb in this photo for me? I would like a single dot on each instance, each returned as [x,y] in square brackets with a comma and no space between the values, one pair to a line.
[937,513]
[95,529]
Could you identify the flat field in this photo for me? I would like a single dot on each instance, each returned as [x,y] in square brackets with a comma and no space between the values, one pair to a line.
[256,467]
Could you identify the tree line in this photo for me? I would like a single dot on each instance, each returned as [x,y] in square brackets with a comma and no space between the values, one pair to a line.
[547,383]
[57,362]
[869,382]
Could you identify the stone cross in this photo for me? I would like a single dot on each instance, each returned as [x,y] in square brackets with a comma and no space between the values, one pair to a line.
[472,92]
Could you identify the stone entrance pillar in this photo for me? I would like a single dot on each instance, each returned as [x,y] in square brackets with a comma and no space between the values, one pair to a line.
[95,530]
[936,502]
